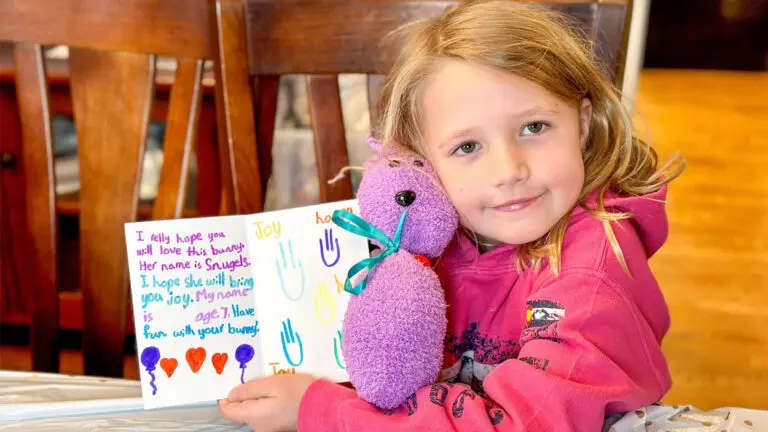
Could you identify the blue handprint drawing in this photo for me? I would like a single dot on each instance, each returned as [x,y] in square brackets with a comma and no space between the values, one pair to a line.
[281,270]
[337,351]
[289,337]
[329,241]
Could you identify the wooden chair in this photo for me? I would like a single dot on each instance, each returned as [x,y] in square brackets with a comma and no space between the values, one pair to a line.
[323,38]
[113,48]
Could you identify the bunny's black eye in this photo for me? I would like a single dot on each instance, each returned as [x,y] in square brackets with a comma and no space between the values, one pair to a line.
[418,163]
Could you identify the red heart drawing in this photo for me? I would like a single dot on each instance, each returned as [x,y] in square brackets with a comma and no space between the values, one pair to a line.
[219,360]
[195,358]
[169,365]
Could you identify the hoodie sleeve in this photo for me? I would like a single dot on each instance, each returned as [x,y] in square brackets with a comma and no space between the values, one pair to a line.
[586,352]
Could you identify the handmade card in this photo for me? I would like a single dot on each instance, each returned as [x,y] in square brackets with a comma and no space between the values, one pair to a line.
[221,300]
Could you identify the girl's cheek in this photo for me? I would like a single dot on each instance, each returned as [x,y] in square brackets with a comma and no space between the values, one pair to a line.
[566,168]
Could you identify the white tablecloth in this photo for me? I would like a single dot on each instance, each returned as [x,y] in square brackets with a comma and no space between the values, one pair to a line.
[48,402]
[51,402]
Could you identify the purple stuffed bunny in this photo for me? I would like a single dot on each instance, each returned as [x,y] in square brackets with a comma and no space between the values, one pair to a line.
[394,328]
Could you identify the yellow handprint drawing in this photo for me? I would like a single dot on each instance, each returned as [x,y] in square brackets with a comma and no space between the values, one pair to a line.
[325,305]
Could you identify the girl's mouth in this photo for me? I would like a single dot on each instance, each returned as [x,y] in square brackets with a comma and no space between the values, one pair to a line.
[517,205]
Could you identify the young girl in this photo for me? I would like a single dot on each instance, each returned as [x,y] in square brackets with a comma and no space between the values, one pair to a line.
[555,319]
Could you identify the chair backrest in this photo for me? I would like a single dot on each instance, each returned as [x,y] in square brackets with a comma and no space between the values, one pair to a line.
[323,38]
[113,46]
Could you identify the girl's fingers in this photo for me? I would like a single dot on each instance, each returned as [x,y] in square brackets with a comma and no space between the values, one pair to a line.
[234,411]
[250,390]
[259,388]
[261,412]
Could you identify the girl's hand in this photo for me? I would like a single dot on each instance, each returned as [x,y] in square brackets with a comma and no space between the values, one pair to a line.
[267,404]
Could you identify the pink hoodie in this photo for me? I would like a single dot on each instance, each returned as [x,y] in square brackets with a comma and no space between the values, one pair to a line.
[528,351]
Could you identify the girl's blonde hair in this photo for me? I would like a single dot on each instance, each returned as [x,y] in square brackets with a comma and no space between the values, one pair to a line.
[540,45]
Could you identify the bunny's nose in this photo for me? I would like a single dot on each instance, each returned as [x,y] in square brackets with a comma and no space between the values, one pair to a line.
[405,198]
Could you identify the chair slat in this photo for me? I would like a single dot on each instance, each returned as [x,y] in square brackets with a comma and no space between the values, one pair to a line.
[375,83]
[330,141]
[241,180]
[611,39]
[37,159]
[112,95]
[180,137]
[265,93]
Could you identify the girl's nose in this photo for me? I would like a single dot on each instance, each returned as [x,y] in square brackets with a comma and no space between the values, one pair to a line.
[509,165]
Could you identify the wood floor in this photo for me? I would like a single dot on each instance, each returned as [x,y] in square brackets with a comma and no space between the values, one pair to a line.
[714,268]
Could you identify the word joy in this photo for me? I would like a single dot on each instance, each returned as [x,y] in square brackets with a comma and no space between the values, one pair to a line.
[264,230]
[276,371]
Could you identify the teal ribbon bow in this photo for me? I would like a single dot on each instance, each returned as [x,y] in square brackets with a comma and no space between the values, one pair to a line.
[357,225]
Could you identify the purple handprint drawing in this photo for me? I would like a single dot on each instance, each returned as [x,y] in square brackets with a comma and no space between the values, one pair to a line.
[329,247]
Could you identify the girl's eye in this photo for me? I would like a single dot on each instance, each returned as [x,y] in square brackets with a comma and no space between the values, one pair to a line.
[418,163]
[466,148]
[534,128]
[394,164]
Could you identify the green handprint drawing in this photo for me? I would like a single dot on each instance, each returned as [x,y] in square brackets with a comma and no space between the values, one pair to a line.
[337,351]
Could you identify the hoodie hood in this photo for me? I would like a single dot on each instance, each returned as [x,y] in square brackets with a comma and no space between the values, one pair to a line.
[649,216]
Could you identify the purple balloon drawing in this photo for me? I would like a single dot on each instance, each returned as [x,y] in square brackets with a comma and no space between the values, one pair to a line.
[243,354]
[149,358]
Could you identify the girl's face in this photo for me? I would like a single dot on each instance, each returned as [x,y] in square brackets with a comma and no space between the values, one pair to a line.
[508,152]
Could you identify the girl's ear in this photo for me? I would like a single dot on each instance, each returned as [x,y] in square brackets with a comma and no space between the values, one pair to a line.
[585,119]
[373,143]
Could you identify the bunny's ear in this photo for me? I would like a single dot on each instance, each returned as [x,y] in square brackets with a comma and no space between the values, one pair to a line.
[373,143]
